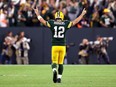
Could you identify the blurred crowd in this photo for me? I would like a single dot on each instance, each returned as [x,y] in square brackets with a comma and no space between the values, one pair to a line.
[98,47]
[15,49]
[100,13]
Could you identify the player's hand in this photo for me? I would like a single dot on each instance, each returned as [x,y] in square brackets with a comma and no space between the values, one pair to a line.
[84,12]
[36,10]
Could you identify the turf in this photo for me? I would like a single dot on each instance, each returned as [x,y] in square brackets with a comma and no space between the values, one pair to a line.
[73,76]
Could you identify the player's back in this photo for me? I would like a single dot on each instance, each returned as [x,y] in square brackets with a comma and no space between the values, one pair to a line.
[58,29]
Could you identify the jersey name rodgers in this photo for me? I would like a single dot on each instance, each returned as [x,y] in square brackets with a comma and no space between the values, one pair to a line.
[58,30]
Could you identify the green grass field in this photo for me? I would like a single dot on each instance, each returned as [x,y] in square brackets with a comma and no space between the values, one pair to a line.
[73,76]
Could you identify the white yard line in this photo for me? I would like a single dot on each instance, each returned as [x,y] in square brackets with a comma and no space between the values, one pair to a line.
[15,75]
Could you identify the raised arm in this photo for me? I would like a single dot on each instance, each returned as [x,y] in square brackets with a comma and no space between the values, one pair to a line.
[79,18]
[39,16]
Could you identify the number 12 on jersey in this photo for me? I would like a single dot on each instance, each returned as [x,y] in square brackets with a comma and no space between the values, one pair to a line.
[59,32]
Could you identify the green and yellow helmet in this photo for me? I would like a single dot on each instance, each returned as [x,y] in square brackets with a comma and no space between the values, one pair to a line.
[60,15]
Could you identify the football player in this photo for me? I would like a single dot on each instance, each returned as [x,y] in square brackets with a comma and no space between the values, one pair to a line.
[58,27]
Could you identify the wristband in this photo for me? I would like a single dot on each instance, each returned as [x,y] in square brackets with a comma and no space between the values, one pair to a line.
[39,17]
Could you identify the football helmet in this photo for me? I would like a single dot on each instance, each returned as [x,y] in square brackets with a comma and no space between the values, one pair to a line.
[60,15]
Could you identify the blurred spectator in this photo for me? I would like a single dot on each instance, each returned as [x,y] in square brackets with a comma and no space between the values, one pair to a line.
[106,20]
[100,48]
[95,18]
[25,15]
[84,49]
[73,9]
[3,4]
[63,8]
[7,49]
[29,15]
[16,5]
[3,20]
[11,13]
[22,47]
[89,8]
[112,7]
[21,19]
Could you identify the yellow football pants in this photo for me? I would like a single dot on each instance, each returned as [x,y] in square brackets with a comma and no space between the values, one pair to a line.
[58,54]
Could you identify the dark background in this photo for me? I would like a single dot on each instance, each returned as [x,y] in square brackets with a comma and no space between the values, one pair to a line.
[40,52]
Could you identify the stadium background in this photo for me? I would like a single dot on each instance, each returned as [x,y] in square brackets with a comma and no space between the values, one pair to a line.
[40,52]
[89,27]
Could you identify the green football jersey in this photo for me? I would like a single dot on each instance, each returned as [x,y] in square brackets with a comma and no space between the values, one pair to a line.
[58,30]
